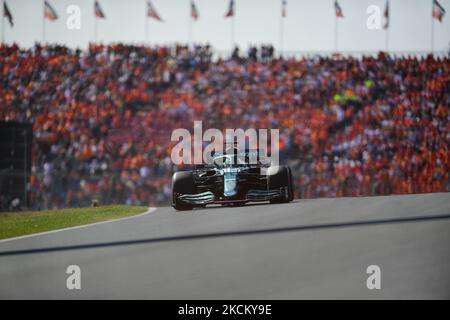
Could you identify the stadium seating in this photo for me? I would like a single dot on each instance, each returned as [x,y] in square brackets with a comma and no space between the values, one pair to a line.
[102,118]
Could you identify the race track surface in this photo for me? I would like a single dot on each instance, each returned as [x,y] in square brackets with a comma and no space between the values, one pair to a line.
[306,249]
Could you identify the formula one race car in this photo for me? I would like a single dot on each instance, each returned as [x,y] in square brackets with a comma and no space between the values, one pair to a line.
[231,180]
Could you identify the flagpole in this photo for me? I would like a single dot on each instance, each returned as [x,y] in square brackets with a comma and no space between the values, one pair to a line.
[386,26]
[3,23]
[190,32]
[386,45]
[335,33]
[147,24]
[146,27]
[232,33]
[432,35]
[281,33]
[43,22]
[95,28]
[149,31]
[432,27]
[190,24]
[387,23]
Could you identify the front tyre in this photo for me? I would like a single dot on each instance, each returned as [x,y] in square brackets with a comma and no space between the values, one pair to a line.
[182,183]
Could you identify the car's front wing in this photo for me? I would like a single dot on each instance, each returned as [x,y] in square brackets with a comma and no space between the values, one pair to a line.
[209,197]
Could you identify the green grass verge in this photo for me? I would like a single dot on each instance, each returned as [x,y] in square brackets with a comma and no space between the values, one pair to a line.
[13,224]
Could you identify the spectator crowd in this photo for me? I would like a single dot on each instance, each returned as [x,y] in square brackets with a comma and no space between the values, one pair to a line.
[102,118]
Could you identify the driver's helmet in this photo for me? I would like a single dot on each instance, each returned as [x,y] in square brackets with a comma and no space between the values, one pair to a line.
[224,161]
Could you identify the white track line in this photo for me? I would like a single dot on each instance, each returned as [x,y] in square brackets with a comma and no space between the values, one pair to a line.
[150,209]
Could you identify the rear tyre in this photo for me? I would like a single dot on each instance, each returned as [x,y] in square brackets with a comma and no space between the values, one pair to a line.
[182,183]
[291,186]
[281,177]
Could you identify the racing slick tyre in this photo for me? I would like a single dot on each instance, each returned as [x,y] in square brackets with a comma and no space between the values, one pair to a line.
[182,183]
[281,177]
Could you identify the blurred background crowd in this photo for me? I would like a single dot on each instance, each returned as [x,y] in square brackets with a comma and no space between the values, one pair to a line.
[103,118]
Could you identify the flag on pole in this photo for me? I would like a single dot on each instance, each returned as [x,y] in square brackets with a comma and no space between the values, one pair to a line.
[386,15]
[194,11]
[49,12]
[7,14]
[98,11]
[283,8]
[438,11]
[151,12]
[230,12]
[338,10]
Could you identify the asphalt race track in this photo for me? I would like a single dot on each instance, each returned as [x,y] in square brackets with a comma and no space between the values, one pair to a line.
[306,249]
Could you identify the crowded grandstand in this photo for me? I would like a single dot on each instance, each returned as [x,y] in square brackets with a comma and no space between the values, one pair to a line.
[102,118]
